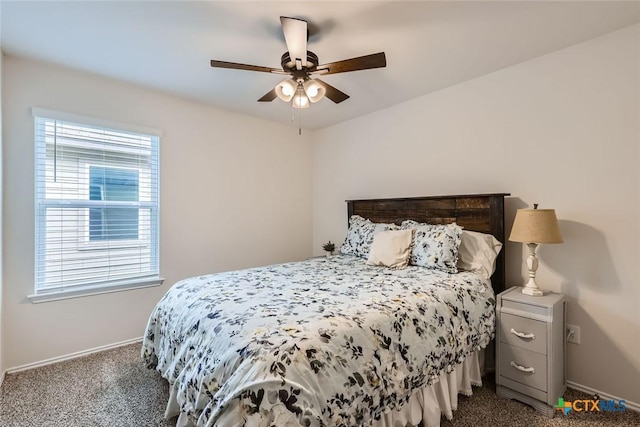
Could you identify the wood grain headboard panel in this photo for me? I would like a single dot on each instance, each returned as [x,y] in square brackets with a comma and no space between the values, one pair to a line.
[477,212]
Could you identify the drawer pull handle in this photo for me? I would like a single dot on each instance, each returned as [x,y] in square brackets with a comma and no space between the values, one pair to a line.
[521,368]
[522,335]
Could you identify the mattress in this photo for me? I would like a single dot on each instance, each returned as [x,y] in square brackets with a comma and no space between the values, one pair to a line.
[323,342]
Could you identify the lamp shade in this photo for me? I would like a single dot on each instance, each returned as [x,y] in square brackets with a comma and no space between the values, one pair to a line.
[535,226]
[300,99]
[286,89]
[314,90]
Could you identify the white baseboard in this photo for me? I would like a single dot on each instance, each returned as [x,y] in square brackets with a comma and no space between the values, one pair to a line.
[628,404]
[71,356]
[2,374]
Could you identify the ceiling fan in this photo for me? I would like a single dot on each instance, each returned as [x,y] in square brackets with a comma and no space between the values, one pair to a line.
[301,64]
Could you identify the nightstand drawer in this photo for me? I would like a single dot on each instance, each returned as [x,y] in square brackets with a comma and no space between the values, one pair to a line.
[524,366]
[524,333]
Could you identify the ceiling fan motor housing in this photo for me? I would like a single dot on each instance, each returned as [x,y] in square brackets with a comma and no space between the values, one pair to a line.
[289,65]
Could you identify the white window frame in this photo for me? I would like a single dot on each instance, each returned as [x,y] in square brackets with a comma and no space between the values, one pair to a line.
[50,293]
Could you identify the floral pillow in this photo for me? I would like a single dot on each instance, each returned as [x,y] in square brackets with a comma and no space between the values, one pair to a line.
[435,246]
[360,235]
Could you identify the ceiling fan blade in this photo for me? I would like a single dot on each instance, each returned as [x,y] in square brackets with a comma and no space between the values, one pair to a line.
[236,66]
[375,60]
[269,96]
[332,93]
[295,35]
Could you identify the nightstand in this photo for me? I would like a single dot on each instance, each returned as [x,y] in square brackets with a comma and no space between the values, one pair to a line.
[530,356]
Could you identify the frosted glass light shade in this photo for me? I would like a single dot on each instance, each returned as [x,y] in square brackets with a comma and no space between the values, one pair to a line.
[300,100]
[286,89]
[314,90]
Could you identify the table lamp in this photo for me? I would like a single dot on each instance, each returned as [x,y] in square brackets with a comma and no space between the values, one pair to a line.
[535,226]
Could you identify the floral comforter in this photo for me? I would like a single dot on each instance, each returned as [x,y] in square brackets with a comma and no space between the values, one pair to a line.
[323,342]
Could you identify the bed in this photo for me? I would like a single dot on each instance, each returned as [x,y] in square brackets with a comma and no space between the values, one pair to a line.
[331,341]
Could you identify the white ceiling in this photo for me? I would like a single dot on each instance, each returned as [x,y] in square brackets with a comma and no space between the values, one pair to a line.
[429,45]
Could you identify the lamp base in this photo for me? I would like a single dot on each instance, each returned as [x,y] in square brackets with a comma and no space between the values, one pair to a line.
[531,288]
[534,292]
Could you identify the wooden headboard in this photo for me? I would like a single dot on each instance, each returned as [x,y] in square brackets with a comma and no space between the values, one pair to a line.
[477,212]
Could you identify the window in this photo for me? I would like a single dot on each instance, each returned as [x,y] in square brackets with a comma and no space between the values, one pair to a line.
[96,206]
[113,185]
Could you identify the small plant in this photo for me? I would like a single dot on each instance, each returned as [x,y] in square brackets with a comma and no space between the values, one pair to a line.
[329,247]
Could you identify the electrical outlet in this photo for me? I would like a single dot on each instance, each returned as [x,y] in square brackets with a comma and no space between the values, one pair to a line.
[573,334]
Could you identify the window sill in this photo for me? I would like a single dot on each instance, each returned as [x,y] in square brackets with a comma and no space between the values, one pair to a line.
[76,292]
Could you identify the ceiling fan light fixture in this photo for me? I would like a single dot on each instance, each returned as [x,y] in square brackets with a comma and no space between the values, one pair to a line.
[301,89]
[300,100]
[286,89]
[314,90]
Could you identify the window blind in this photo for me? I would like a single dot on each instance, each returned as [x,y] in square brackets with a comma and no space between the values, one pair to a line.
[96,205]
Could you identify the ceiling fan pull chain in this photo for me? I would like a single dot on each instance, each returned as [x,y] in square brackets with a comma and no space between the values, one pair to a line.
[293,118]
[300,123]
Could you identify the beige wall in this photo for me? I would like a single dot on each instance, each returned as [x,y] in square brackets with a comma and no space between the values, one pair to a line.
[2,322]
[561,130]
[235,192]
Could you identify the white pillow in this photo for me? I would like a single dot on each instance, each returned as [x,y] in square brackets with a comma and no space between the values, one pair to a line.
[478,253]
[391,248]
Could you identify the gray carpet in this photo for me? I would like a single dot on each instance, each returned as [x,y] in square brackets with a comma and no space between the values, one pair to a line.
[113,388]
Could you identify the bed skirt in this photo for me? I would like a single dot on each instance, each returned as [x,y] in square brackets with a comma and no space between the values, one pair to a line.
[426,405]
